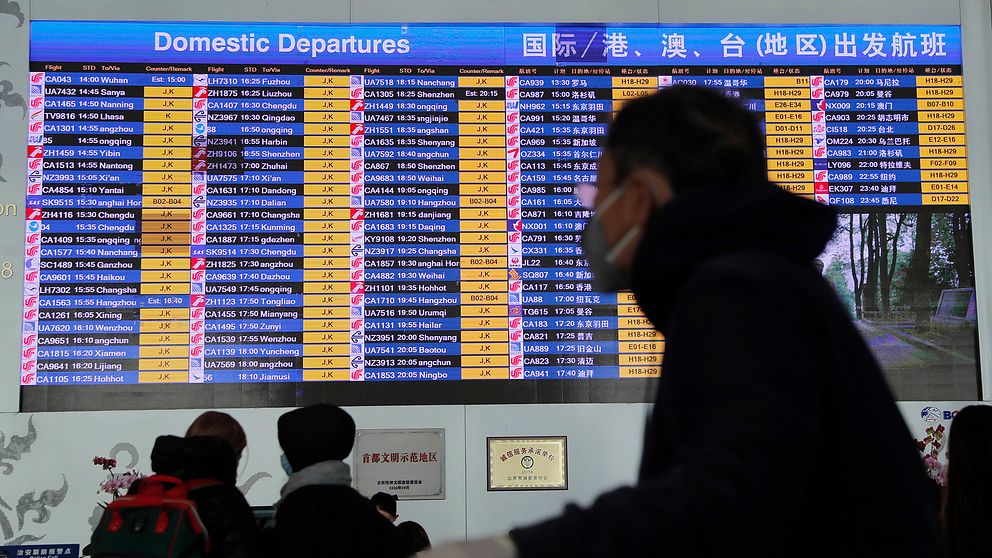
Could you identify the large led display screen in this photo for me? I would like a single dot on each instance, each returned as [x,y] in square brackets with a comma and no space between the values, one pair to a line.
[213,203]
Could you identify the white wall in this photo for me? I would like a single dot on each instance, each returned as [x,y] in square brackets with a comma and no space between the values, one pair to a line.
[604,446]
[604,440]
[603,443]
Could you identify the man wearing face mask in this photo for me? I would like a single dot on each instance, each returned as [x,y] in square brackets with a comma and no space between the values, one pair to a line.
[319,513]
[773,432]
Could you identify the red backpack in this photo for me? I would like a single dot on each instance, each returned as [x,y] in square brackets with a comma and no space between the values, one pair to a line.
[160,521]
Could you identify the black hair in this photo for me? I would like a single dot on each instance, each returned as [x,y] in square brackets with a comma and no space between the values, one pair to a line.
[385,502]
[695,136]
[968,496]
[314,434]
[416,534]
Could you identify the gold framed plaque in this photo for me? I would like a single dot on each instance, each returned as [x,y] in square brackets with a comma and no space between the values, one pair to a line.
[529,463]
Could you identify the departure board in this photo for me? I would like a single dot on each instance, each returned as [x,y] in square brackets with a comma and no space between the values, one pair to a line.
[238,203]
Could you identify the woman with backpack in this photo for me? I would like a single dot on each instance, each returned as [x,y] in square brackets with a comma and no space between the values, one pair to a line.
[206,463]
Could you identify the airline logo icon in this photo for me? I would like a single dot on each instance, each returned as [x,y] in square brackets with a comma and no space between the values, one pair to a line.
[820,176]
[198,263]
[358,300]
[512,93]
[37,102]
[358,129]
[516,372]
[358,117]
[357,164]
[197,301]
[358,374]
[357,287]
[34,163]
[199,79]
[358,141]
[34,189]
[816,81]
[357,80]
[819,116]
[821,188]
[30,315]
[513,129]
[513,141]
[36,127]
[200,104]
[819,152]
[822,198]
[357,104]
[28,379]
[357,93]
[512,81]
[512,117]
[37,77]
[817,93]
[199,92]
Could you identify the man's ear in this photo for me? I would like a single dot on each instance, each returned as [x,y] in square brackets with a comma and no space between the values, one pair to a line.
[652,190]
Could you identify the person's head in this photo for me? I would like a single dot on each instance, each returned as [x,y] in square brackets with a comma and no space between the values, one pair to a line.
[670,143]
[220,425]
[416,534]
[315,434]
[386,504]
[968,496]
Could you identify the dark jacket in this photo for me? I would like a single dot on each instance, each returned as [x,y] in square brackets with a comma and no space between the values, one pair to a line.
[773,432]
[324,521]
[222,507]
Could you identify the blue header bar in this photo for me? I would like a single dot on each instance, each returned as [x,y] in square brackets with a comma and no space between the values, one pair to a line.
[493,44]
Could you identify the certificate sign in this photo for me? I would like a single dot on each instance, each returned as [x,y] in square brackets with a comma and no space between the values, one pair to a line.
[536,463]
[406,462]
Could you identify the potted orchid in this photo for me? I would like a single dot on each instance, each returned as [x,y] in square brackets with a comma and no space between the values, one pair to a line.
[929,448]
[116,484]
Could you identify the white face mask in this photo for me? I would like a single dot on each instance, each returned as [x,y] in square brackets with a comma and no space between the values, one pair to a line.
[607,277]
